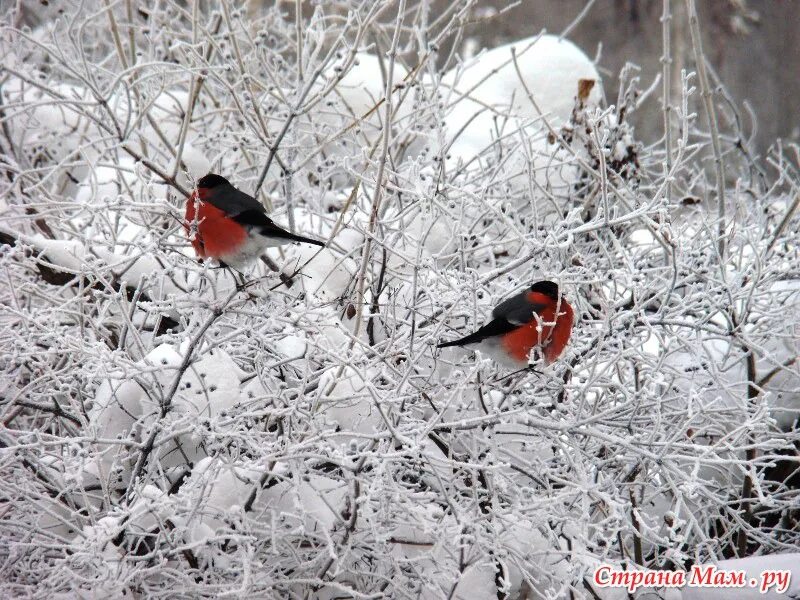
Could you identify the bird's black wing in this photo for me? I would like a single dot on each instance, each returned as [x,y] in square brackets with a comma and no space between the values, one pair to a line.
[233,202]
[494,328]
[258,218]
[517,309]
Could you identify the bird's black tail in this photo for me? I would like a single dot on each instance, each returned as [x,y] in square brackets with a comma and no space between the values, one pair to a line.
[494,328]
[447,344]
[293,237]
[307,240]
[473,338]
[267,227]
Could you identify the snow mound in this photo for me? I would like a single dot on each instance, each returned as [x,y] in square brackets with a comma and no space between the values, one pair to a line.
[532,81]
[124,409]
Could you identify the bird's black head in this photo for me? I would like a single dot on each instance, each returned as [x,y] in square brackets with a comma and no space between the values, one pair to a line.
[211,181]
[548,288]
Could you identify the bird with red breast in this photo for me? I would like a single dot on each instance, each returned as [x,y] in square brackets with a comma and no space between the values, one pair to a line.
[539,319]
[231,226]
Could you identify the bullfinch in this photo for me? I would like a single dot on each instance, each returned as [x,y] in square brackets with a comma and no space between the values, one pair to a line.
[230,226]
[538,318]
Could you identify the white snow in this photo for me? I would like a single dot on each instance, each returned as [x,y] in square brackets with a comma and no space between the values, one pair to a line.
[534,81]
[300,451]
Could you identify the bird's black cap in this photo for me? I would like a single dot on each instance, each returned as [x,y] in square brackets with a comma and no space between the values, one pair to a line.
[548,288]
[212,180]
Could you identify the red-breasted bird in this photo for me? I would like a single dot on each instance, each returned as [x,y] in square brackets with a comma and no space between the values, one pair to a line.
[539,317]
[230,226]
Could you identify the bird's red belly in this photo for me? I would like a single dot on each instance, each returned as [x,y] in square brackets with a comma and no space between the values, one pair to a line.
[553,338]
[559,337]
[519,343]
[217,234]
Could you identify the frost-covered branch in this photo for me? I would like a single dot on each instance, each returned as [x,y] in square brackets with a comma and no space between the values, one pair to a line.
[170,426]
